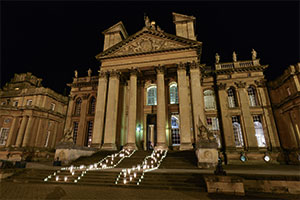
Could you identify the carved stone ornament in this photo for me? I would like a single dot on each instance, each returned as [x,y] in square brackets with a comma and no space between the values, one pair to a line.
[115,74]
[85,96]
[260,83]
[240,84]
[147,44]
[221,86]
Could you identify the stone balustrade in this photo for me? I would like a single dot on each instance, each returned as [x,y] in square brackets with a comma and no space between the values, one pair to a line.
[238,64]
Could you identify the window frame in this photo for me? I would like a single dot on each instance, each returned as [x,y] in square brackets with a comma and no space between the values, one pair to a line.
[154,96]
[211,96]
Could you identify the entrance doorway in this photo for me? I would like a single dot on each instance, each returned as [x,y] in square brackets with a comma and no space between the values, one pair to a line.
[151,131]
[175,130]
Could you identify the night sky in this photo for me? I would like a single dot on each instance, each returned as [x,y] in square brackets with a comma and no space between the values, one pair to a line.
[52,39]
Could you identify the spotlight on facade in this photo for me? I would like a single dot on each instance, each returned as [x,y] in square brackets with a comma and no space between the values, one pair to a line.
[267,158]
[243,158]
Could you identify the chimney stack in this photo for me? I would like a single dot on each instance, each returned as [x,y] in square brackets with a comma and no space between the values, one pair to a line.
[184,25]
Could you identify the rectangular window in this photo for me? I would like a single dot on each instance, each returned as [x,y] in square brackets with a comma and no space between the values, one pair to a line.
[288,91]
[212,123]
[52,106]
[237,131]
[259,131]
[75,131]
[3,135]
[29,102]
[213,126]
[89,133]
[48,134]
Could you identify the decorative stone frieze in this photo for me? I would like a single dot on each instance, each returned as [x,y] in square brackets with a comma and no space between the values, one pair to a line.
[260,83]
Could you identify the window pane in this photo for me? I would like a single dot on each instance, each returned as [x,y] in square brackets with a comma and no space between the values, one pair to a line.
[175,130]
[259,131]
[231,98]
[77,107]
[252,96]
[237,131]
[3,135]
[173,94]
[151,96]
[209,99]
[75,130]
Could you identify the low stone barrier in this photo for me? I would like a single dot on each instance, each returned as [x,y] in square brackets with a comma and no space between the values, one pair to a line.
[272,186]
[225,185]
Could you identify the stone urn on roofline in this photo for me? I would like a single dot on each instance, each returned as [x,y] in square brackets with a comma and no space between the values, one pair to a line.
[206,147]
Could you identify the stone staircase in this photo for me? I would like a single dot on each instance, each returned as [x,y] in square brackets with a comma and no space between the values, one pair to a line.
[180,160]
[107,177]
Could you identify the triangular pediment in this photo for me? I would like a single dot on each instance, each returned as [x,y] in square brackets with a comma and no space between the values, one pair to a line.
[148,42]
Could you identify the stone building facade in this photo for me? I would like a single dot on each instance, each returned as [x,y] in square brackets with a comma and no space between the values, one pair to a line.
[285,96]
[30,115]
[153,92]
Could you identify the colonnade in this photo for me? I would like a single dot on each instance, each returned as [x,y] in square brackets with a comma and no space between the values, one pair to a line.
[105,126]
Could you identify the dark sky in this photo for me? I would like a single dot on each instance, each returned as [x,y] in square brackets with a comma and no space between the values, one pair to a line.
[52,39]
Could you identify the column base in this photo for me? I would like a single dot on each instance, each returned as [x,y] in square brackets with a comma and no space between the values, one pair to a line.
[130,146]
[185,146]
[96,145]
[161,146]
[109,147]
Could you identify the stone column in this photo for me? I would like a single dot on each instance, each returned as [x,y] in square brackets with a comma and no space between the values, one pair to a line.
[39,133]
[197,98]
[112,111]
[251,139]
[268,115]
[100,111]
[21,131]
[28,131]
[81,134]
[184,109]
[131,144]
[161,110]
[11,132]
[226,118]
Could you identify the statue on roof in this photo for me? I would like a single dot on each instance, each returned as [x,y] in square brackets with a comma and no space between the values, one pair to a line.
[147,21]
[89,72]
[76,73]
[254,54]
[234,58]
[217,58]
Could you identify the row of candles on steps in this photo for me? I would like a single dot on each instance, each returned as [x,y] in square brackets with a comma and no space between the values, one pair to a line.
[150,163]
[110,161]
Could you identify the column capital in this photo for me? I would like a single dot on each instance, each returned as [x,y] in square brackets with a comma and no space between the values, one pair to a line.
[159,69]
[260,82]
[115,74]
[221,86]
[133,72]
[181,66]
[102,74]
[240,84]
[194,65]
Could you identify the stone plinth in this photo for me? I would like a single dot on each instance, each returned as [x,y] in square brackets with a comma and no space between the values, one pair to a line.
[68,152]
[207,155]
[225,185]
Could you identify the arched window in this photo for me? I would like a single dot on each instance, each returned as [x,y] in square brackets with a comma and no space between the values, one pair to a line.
[237,131]
[77,106]
[151,95]
[173,93]
[232,103]
[92,105]
[252,96]
[209,99]
[259,131]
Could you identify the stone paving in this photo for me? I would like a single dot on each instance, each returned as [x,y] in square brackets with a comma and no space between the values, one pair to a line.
[54,191]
